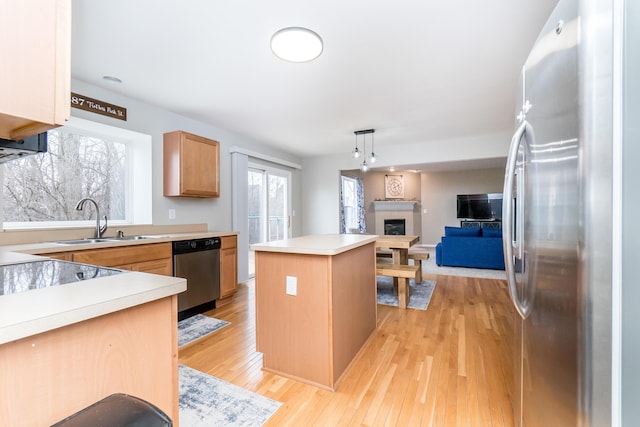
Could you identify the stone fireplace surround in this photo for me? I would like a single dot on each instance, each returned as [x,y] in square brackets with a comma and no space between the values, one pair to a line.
[401,209]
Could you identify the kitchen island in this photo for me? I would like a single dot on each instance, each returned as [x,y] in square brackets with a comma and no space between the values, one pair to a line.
[64,346]
[315,304]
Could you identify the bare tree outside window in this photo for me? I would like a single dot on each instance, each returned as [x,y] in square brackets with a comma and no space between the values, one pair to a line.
[47,186]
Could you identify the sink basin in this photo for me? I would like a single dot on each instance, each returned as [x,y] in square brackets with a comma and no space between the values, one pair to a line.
[103,240]
[116,239]
[82,241]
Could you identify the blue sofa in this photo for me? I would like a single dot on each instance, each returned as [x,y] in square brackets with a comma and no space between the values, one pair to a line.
[471,247]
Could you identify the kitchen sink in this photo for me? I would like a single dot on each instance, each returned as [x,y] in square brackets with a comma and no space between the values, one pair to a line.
[83,241]
[115,239]
[104,240]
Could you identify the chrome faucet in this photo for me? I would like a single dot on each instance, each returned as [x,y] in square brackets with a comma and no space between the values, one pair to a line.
[99,229]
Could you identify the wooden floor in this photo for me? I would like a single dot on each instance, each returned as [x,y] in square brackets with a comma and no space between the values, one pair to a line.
[447,366]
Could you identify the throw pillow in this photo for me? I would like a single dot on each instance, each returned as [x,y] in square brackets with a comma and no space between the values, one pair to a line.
[492,232]
[462,231]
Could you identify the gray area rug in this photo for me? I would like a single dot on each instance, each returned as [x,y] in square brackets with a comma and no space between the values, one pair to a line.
[430,267]
[207,401]
[419,296]
[196,327]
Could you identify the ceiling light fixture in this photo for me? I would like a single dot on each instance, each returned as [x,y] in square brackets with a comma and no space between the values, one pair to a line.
[356,153]
[296,44]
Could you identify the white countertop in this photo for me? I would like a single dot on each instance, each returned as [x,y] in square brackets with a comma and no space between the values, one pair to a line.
[323,244]
[15,257]
[39,310]
[51,247]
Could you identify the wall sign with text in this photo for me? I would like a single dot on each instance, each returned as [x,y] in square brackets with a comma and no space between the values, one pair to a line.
[99,107]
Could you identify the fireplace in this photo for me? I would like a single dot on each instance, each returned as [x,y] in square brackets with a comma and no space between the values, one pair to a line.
[394,227]
[395,212]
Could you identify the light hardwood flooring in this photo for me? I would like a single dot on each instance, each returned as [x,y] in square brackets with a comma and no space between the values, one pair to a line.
[448,366]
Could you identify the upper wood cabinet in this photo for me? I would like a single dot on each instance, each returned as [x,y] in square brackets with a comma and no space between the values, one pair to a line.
[36,64]
[191,165]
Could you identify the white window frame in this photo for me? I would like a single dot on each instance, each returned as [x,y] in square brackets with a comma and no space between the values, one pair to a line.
[355,197]
[139,181]
[270,170]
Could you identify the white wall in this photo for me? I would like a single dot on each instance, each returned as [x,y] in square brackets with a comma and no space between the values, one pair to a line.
[155,121]
[321,175]
[439,191]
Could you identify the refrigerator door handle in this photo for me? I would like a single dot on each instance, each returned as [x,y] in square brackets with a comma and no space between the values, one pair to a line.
[508,243]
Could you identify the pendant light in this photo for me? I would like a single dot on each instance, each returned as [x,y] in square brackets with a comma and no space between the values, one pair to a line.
[363,166]
[372,159]
[356,152]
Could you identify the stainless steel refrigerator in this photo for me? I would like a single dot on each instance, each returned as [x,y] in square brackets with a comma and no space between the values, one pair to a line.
[556,230]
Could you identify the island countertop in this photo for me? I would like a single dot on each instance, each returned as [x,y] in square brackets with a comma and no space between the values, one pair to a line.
[35,311]
[322,244]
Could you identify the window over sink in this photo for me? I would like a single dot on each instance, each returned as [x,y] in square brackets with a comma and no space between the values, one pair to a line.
[84,159]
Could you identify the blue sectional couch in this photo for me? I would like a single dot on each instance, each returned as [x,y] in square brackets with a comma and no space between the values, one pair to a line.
[471,247]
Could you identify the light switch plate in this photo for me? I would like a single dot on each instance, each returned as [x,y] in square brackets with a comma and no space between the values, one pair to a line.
[292,285]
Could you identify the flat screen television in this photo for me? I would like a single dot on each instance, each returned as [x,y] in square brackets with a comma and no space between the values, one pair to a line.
[480,206]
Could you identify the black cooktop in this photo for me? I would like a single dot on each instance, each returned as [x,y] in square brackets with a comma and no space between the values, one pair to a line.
[15,278]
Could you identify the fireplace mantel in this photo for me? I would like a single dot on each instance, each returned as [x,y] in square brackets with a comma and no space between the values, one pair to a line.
[394,205]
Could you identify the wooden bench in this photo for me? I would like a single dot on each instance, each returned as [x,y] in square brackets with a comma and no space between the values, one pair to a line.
[414,255]
[401,272]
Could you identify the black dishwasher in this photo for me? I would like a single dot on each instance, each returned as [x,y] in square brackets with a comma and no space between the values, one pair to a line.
[198,261]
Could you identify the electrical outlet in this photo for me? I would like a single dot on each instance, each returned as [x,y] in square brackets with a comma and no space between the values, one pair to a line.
[424,211]
[292,285]
[172,214]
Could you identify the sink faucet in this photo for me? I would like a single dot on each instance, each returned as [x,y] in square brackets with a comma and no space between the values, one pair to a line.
[99,229]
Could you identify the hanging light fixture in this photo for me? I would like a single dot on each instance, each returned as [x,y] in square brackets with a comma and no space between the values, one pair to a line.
[363,166]
[373,155]
[356,153]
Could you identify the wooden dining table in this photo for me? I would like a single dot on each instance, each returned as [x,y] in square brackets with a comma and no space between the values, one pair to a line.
[399,246]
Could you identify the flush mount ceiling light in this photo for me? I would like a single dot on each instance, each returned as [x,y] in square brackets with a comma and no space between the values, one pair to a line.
[296,44]
[356,152]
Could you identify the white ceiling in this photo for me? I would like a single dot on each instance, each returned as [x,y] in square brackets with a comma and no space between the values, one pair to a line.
[415,70]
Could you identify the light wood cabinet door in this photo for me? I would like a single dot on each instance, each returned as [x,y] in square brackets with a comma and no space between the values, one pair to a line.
[63,256]
[158,266]
[191,165]
[132,351]
[128,257]
[228,266]
[36,63]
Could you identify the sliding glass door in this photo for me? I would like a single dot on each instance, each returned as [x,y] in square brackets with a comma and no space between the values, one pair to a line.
[269,204]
